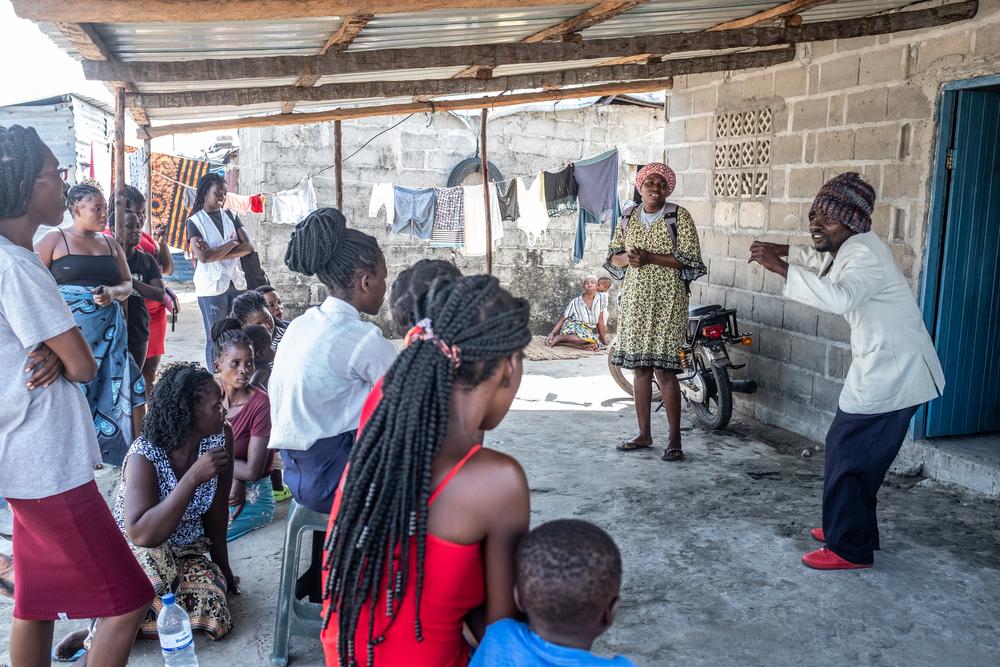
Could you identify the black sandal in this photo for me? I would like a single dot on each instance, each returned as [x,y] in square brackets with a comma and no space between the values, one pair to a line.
[631,446]
[672,454]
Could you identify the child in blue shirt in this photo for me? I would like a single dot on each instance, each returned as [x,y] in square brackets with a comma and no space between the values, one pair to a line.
[568,577]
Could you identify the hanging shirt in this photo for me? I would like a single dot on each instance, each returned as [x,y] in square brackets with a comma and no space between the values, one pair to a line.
[291,206]
[475,219]
[238,203]
[507,198]
[382,196]
[449,218]
[560,190]
[533,214]
[597,184]
[414,212]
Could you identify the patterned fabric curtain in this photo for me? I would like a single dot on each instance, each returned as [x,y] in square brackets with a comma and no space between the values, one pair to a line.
[167,205]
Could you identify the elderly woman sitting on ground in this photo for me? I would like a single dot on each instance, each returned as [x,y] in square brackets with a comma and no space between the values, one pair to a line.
[584,322]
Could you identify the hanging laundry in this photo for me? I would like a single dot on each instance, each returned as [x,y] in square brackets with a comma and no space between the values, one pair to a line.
[382,195]
[533,213]
[507,196]
[560,190]
[137,159]
[414,212]
[475,219]
[291,206]
[172,177]
[238,203]
[256,203]
[232,178]
[190,195]
[597,181]
[449,218]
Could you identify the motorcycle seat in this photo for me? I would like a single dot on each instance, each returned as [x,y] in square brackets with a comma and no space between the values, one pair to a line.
[698,311]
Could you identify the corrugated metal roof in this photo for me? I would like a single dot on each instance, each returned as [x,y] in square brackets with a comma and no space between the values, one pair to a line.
[850,9]
[675,16]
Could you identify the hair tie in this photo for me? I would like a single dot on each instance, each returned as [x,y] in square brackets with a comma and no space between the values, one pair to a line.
[424,330]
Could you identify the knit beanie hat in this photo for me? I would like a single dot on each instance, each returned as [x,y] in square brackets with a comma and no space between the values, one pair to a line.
[848,199]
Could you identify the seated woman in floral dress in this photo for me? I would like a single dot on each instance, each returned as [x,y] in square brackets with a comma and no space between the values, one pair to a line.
[584,322]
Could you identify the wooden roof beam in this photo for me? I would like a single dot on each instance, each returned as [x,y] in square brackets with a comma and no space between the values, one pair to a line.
[781,11]
[493,55]
[349,29]
[156,11]
[584,20]
[427,89]
[415,107]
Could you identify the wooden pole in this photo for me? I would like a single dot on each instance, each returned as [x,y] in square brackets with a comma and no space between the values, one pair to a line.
[484,164]
[148,194]
[119,180]
[338,161]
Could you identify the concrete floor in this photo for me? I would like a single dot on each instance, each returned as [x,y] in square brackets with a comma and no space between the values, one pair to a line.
[711,545]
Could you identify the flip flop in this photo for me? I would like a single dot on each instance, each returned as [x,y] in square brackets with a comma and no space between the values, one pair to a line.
[283,494]
[672,455]
[73,658]
[630,446]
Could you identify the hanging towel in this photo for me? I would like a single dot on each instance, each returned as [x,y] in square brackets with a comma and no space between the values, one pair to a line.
[291,206]
[238,203]
[257,203]
[475,219]
[533,214]
[449,218]
[382,195]
[414,212]
[560,190]
[597,181]
[507,197]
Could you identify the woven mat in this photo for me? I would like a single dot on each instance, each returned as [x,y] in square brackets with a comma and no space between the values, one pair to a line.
[536,351]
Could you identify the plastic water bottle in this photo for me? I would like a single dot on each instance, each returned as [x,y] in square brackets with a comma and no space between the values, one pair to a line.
[176,640]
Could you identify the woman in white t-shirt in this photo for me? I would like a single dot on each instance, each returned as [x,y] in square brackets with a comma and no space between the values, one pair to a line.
[584,322]
[70,559]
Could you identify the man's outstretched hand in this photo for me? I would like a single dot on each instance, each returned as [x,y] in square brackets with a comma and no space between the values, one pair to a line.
[769,256]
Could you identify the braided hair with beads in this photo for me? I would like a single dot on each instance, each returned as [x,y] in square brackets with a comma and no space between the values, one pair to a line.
[322,245]
[22,154]
[385,496]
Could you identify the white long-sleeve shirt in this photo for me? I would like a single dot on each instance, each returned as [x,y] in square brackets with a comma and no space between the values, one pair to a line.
[894,364]
[327,362]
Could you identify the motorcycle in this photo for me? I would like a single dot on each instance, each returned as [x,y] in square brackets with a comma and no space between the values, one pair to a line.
[704,381]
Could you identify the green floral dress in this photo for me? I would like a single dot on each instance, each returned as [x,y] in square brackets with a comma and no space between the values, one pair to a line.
[653,313]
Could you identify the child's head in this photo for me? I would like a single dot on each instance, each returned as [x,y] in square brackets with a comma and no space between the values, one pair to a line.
[603,284]
[568,575]
[348,262]
[415,287]
[273,302]
[261,339]
[250,308]
[234,353]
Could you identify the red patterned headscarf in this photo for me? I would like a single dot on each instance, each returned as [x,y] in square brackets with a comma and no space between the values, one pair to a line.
[659,169]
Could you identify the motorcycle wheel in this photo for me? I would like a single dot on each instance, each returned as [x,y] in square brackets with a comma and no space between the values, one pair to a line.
[714,414]
[623,378]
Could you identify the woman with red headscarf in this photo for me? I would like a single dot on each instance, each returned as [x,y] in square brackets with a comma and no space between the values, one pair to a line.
[655,248]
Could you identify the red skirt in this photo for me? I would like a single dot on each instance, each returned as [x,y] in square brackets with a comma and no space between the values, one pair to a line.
[72,561]
[157,329]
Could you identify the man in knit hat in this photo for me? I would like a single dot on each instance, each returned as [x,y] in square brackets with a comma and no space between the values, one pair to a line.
[894,367]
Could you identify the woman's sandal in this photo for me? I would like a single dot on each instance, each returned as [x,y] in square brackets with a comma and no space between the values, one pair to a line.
[632,445]
[672,454]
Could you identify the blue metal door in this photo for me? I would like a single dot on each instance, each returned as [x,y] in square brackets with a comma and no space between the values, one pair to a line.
[967,326]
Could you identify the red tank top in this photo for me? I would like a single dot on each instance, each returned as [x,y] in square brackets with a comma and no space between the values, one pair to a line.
[454,585]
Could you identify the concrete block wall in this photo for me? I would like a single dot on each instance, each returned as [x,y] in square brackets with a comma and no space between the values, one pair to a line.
[865,105]
[421,152]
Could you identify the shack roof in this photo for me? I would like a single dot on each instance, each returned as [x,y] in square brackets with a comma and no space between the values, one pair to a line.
[262,62]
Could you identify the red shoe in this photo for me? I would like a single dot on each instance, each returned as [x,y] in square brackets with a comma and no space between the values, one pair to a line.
[817,534]
[824,559]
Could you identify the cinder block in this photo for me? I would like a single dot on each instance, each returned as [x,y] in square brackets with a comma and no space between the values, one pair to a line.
[833,328]
[868,106]
[987,40]
[946,51]
[898,182]
[741,301]
[413,159]
[748,276]
[693,184]
[790,82]
[882,221]
[786,149]
[773,283]
[726,213]
[796,383]
[680,104]
[696,129]
[776,184]
[905,259]
[839,74]
[679,158]
[702,156]
[803,183]
[826,393]
[785,216]
[835,146]
[813,79]
[673,133]
[730,94]
[705,101]
[760,86]
[854,43]
[908,102]
[722,272]
[876,142]
[775,344]
[800,318]
[809,114]
[882,66]
[767,310]
[838,360]
[713,243]
[836,115]
[809,353]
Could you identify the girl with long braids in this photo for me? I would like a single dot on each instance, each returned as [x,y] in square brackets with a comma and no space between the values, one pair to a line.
[70,558]
[414,532]
[248,409]
[251,308]
[216,238]
[93,275]
[330,358]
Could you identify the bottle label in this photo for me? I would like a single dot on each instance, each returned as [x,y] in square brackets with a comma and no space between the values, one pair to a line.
[175,642]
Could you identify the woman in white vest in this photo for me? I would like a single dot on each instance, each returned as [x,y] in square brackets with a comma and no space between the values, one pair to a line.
[217,240]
